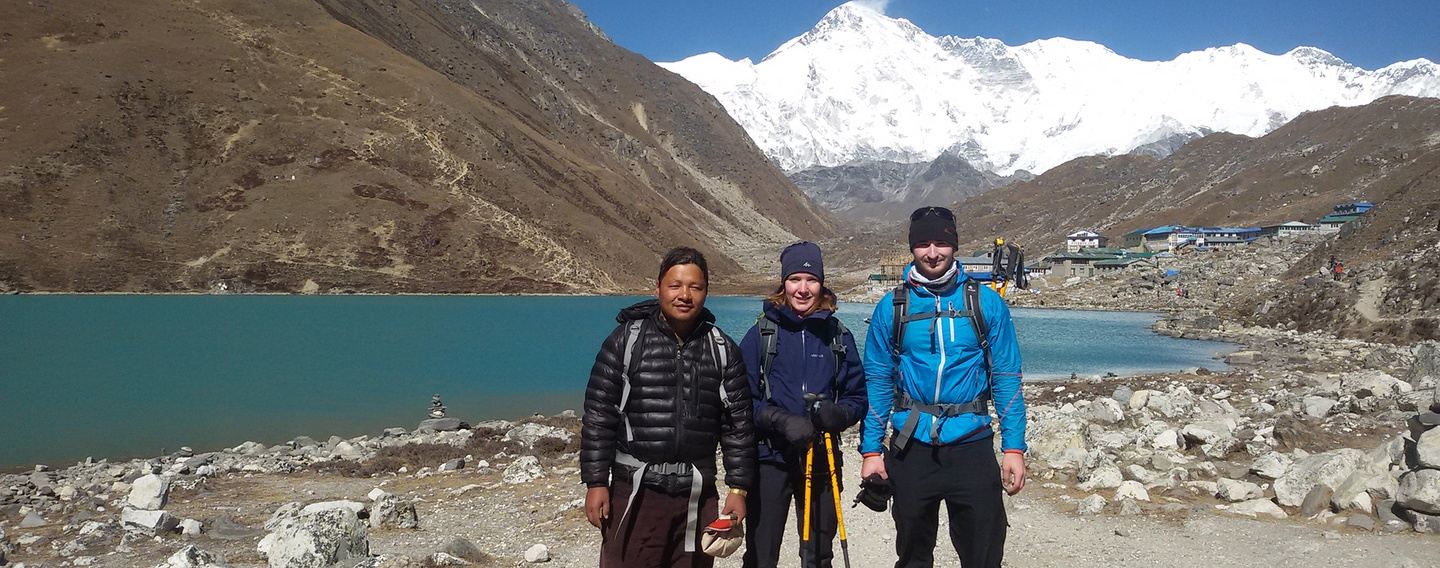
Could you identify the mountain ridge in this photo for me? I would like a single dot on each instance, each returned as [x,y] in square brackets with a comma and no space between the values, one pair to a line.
[861,85]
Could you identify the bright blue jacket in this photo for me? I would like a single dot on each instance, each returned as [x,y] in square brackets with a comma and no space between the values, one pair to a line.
[804,363]
[941,362]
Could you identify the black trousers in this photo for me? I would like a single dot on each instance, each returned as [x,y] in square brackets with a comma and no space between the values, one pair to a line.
[966,478]
[769,504]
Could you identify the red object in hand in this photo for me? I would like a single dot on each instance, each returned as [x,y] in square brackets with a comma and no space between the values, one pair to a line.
[721,525]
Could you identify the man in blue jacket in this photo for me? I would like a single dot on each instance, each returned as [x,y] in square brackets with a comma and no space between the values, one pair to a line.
[932,378]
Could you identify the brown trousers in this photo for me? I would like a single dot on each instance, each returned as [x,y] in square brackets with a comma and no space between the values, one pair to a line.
[653,535]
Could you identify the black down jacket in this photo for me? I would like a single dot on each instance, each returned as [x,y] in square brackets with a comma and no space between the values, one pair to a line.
[675,409]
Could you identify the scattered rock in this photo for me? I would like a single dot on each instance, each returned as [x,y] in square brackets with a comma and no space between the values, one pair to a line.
[1329,468]
[453,465]
[1092,505]
[393,512]
[442,425]
[318,539]
[1318,406]
[192,557]
[1422,522]
[1258,508]
[1317,500]
[530,432]
[1427,448]
[460,547]
[149,522]
[1362,522]
[1234,490]
[225,528]
[537,554]
[1271,466]
[526,469]
[1420,491]
[1132,490]
[191,527]
[32,520]
[149,492]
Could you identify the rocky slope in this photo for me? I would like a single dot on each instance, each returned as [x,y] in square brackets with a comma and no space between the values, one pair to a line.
[881,191]
[357,145]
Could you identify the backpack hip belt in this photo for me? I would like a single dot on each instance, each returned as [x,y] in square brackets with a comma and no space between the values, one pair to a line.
[697,484]
[907,431]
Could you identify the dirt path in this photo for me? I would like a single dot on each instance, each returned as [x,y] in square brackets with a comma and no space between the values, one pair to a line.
[1369,303]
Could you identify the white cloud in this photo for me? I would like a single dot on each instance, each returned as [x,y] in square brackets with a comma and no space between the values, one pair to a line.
[875,5]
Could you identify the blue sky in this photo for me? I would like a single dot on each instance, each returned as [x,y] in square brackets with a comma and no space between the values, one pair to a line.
[1370,34]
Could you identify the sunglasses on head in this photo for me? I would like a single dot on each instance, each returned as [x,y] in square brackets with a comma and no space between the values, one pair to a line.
[932,210]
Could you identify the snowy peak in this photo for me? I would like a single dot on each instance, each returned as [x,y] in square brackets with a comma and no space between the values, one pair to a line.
[860,85]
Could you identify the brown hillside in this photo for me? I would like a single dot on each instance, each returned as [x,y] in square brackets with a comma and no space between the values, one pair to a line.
[1297,172]
[358,145]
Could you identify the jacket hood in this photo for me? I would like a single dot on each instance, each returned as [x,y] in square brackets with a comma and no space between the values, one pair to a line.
[786,317]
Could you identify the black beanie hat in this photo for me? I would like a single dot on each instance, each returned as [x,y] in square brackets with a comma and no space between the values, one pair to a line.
[803,256]
[935,224]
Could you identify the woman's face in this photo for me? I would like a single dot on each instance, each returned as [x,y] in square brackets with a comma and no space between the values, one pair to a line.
[802,292]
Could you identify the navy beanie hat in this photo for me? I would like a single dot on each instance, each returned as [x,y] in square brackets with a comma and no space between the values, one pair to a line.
[803,256]
[933,224]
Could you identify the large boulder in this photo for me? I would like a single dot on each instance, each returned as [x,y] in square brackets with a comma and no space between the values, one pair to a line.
[149,492]
[322,539]
[1427,449]
[1420,491]
[1330,469]
[1370,482]
[1365,384]
[1425,372]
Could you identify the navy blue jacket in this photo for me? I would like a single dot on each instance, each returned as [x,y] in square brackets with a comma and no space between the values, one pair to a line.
[803,364]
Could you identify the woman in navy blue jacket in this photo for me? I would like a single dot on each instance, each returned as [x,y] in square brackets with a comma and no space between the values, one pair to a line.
[809,353]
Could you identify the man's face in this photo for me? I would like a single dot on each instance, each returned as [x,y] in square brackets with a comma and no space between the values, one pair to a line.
[681,292]
[933,258]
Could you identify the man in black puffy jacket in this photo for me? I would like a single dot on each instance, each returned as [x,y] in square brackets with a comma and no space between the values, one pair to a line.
[667,388]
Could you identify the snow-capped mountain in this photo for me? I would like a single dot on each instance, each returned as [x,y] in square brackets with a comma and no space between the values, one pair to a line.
[861,85]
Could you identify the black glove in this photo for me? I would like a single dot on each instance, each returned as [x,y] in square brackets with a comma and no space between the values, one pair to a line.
[796,429]
[874,493]
[830,417]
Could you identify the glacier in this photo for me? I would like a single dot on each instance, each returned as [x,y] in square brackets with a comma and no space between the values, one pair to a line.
[861,85]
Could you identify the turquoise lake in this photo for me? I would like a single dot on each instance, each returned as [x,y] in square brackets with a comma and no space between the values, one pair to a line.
[117,376]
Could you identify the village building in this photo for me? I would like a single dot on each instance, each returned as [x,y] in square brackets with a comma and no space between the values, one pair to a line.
[1083,240]
[1287,229]
[1342,214]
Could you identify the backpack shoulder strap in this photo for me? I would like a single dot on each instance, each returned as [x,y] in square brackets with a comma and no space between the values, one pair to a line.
[900,305]
[632,336]
[982,330]
[768,351]
[837,331]
[722,356]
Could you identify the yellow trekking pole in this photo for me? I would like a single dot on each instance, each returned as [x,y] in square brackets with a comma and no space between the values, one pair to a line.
[835,491]
[809,477]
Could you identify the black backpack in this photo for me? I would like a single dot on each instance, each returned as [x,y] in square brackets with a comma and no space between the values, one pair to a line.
[769,347]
